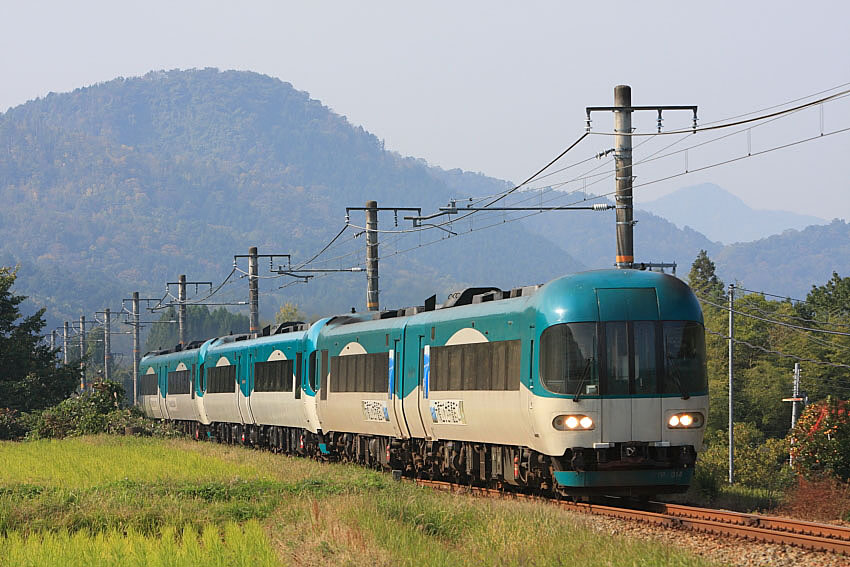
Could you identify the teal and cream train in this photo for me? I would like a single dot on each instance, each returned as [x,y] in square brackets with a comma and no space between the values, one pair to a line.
[594,382]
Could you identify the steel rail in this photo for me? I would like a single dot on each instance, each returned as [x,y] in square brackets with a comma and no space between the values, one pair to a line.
[767,529]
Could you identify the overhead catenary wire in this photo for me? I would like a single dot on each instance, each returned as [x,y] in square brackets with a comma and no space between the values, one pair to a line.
[773,321]
[778,353]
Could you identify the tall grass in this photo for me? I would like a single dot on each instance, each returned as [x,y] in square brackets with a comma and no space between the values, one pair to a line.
[90,461]
[122,501]
[233,545]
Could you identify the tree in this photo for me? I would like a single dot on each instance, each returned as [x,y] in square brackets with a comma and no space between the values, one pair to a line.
[29,377]
[702,277]
[829,300]
[289,312]
[821,439]
[201,324]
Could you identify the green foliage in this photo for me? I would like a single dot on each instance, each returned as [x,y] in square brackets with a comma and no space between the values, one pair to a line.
[100,410]
[29,377]
[12,424]
[759,462]
[703,276]
[821,439]
[289,312]
[201,324]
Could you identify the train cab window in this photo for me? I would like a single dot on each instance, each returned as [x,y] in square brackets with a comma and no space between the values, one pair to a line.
[646,357]
[569,359]
[684,358]
[617,358]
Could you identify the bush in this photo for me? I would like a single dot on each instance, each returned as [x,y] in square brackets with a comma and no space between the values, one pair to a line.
[759,463]
[12,424]
[99,411]
[821,440]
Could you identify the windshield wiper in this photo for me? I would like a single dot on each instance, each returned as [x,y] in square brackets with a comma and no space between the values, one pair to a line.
[677,378]
[577,397]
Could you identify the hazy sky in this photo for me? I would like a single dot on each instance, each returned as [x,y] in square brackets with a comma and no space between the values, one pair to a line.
[496,87]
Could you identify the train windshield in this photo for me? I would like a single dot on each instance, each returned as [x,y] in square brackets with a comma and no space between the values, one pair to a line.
[684,358]
[618,358]
[569,359]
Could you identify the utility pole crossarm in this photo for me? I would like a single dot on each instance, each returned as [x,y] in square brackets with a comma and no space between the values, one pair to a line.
[630,109]
[623,175]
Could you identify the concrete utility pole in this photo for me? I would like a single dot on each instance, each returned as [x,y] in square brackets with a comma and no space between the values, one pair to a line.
[623,176]
[53,339]
[65,343]
[796,394]
[253,291]
[181,309]
[136,350]
[731,373]
[82,353]
[107,346]
[372,303]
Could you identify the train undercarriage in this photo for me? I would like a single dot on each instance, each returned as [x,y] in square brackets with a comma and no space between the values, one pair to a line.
[621,469]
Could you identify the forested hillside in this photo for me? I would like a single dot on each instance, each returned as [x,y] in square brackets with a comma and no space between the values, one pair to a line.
[124,185]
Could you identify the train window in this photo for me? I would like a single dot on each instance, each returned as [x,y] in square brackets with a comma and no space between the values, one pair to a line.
[178,382]
[273,376]
[646,359]
[360,372]
[476,366]
[617,358]
[221,379]
[148,386]
[684,358]
[569,359]
[311,371]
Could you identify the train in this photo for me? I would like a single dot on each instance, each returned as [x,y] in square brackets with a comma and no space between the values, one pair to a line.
[593,383]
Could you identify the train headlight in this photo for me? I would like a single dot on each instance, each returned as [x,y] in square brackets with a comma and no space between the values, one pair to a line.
[572,423]
[686,420]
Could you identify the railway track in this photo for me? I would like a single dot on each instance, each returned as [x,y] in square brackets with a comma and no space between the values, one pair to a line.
[754,527]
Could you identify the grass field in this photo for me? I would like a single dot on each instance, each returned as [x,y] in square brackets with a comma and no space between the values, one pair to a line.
[129,501]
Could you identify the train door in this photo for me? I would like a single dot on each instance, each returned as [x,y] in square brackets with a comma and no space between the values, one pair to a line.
[646,404]
[246,389]
[163,390]
[396,390]
[629,343]
[424,355]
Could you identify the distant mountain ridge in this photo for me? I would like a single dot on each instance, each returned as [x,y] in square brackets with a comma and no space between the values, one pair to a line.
[722,216]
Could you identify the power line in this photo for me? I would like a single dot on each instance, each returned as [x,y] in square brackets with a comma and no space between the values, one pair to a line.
[776,352]
[773,321]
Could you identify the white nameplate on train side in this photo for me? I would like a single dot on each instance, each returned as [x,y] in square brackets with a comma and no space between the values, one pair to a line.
[448,411]
[375,410]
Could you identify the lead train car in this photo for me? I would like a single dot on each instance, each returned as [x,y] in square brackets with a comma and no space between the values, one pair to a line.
[594,382]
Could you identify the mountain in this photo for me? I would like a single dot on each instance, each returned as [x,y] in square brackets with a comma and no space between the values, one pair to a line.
[722,216]
[788,263]
[124,185]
